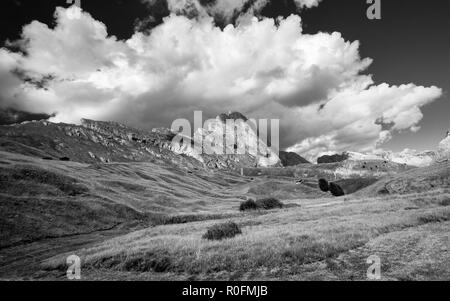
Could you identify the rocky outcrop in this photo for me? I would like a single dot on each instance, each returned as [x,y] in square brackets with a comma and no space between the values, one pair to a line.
[100,141]
[407,157]
[92,142]
[291,159]
[443,153]
[411,157]
[238,146]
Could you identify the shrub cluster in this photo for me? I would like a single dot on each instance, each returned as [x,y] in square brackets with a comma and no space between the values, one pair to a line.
[334,188]
[222,231]
[263,204]
[248,205]
[269,203]
[323,185]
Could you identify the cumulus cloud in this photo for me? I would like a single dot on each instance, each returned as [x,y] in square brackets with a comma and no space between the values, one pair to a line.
[262,68]
[223,10]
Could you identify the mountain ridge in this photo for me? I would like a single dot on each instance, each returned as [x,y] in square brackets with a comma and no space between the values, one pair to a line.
[108,141]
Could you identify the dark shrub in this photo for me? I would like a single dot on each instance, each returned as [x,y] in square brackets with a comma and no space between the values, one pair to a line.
[64,159]
[222,231]
[269,203]
[445,202]
[248,205]
[323,185]
[383,191]
[336,190]
[263,204]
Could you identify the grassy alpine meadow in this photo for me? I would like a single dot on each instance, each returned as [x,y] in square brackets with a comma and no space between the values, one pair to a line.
[140,221]
[329,239]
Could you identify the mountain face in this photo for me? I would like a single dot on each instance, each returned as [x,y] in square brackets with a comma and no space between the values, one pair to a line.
[91,142]
[291,159]
[224,144]
[444,148]
[98,141]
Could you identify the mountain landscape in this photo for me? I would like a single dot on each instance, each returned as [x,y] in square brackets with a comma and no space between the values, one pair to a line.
[133,204]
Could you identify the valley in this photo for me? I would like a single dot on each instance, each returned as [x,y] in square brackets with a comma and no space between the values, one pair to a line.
[144,218]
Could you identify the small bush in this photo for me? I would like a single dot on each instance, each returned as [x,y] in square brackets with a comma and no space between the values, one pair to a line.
[445,202]
[323,185]
[222,231]
[248,205]
[263,204]
[269,203]
[336,190]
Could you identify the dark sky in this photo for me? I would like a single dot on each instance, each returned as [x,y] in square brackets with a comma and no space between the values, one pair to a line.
[410,44]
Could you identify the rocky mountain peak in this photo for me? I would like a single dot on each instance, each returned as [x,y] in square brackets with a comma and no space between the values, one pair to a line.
[225,144]
[444,148]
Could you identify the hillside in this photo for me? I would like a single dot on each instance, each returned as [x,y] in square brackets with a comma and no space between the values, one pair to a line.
[127,201]
[292,159]
[321,239]
[125,217]
[406,157]
[99,141]
[50,198]
[412,181]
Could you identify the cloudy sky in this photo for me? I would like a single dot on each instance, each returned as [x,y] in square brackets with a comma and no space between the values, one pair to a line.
[336,80]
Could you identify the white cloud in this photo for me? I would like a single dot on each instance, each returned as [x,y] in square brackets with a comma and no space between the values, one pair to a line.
[313,83]
[224,9]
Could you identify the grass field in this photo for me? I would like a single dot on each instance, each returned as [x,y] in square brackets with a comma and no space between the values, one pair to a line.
[143,221]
